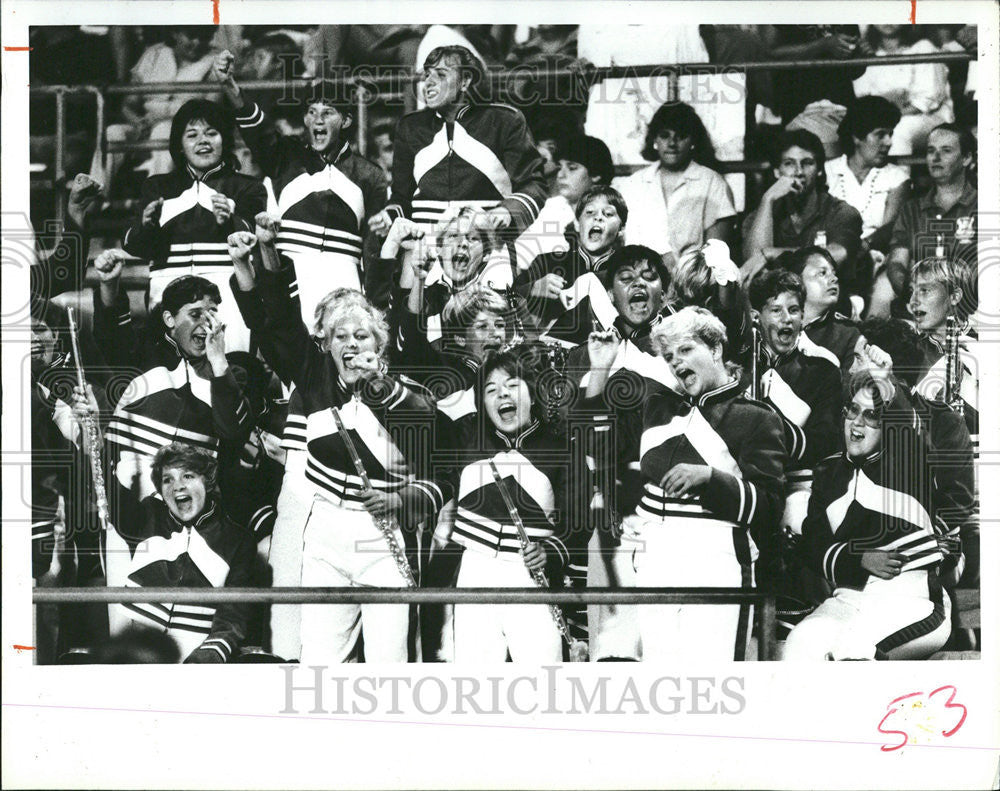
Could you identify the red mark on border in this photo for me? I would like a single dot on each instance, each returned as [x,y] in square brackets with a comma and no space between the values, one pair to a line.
[17,49]
[215,11]
[912,712]
[20,648]
[913,12]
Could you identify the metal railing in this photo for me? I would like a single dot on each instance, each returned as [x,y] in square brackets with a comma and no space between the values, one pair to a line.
[766,613]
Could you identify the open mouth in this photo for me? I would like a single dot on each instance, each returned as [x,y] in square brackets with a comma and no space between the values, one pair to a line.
[638,298]
[856,435]
[686,377]
[347,358]
[199,337]
[506,412]
[786,334]
[183,502]
[833,291]
[320,135]
[918,316]
[204,151]
[595,234]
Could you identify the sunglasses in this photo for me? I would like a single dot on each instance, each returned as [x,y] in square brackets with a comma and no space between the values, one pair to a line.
[870,417]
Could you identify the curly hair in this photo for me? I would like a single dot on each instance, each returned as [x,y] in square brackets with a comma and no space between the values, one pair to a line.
[690,322]
[462,308]
[186,457]
[346,303]
[863,116]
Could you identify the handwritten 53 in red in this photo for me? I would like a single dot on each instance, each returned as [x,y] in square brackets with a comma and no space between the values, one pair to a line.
[921,718]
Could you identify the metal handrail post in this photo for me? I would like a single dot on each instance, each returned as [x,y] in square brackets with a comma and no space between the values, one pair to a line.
[59,177]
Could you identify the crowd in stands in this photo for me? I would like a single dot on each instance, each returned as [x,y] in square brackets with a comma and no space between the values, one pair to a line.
[489,352]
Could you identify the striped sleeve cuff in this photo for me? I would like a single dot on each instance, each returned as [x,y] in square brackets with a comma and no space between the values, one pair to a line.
[219,645]
[797,439]
[394,210]
[528,202]
[294,437]
[748,503]
[262,522]
[423,496]
[252,116]
[559,548]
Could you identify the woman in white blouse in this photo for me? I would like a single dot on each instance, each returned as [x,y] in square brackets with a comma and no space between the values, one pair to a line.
[680,201]
[919,90]
[863,176]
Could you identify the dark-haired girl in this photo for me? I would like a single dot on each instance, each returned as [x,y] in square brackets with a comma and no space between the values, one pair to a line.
[188,214]
[532,461]
[680,200]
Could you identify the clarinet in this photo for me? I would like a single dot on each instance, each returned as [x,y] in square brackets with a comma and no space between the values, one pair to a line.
[577,648]
[386,526]
[953,367]
[91,436]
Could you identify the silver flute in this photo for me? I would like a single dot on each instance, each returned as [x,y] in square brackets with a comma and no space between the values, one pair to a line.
[91,435]
[386,526]
[577,648]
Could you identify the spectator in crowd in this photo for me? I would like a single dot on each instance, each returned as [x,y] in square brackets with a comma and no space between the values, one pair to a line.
[187,214]
[944,217]
[863,176]
[795,89]
[680,200]
[892,345]
[887,601]
[325,193]
[184,57]
[440,161]
[798,211]
[919,90]
[380,146]
[637,281]
[687,500]
[583,163]
[801,382]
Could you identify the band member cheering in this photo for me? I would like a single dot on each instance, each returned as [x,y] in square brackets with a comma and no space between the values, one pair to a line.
[325,193]
[344,405]
[708,471]
[188,213]
[869,532]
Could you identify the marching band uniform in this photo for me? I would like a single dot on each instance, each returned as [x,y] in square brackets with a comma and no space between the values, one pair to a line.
[743,443]
[189,241]
[533,466]
[324,201]
[485,158]
[874,503]
[341,543]
[209,552]
[836,332]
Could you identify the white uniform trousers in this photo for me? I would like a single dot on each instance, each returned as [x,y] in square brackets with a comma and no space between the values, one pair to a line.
[486,632]
[316,275]
[613,628]
[237,334]
[344,548]
[691,553]
[285,555]
[851,623]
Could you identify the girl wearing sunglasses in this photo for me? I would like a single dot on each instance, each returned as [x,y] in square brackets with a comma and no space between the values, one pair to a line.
[870,535]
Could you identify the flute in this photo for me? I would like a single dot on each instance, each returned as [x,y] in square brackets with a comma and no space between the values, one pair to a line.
[953,367]
[386,526]
[577,648]
[91,436]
